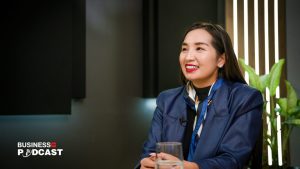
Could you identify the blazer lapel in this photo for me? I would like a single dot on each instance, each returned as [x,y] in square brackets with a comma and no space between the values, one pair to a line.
[216,119]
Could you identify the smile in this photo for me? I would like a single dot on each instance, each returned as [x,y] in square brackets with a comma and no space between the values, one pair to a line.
[191,68]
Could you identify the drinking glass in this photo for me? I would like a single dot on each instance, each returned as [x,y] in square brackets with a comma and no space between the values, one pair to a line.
[172,148]
[168,164]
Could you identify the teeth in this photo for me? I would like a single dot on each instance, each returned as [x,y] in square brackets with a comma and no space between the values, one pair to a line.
[191,67]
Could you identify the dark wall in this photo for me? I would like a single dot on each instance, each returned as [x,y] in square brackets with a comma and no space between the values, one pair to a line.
[293,60]
[38,55]
[43,56]
[101,131]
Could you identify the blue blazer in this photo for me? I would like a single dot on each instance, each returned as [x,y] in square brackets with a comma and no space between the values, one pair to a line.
[230,130]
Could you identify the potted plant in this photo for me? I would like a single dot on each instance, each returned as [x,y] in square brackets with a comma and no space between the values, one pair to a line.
[287,107]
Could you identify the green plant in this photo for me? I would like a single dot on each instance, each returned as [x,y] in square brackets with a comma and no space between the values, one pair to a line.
[287,107]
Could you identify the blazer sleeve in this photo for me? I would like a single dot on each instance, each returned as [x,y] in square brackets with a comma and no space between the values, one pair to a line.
[240,137]
[155,131]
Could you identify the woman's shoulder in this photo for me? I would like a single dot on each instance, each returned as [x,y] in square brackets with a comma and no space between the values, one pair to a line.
[173,92]
[174,95]
[242,89]
[241,98]
[243,92]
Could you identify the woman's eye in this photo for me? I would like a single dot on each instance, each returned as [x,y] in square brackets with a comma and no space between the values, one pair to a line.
[198,49]
[183,49]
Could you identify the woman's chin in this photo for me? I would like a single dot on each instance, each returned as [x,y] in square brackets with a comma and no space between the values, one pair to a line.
[192,78]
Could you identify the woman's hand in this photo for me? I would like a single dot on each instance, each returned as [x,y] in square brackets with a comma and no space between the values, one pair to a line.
[148,162]
[186,164]
[165,156]
[190,165]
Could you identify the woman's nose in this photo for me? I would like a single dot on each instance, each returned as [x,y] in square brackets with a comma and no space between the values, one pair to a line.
[190,55]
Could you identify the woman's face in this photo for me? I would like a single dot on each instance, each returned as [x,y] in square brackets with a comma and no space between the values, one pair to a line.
[198,59]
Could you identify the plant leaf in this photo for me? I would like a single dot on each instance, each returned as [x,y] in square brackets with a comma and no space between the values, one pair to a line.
[253,77]
[275,75]
[265,81]
[282,102]
[295,111]
[291,96]
[277,109]
[293,122]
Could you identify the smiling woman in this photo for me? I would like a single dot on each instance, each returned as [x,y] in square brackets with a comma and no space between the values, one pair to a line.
[214,114]
[199,60]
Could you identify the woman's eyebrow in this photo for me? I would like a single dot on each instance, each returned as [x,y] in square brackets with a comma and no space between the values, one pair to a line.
[184,44]
[201,43]
[197,43]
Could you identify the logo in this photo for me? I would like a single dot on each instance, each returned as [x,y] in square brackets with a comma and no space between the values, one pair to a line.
[26,149]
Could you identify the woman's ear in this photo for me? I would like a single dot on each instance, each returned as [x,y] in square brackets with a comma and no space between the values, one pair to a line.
[221,60]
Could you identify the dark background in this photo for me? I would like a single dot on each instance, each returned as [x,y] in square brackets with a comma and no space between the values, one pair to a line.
[107,128]
[43,53]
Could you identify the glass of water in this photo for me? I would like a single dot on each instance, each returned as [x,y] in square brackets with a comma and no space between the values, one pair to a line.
[172,148]
[168,164]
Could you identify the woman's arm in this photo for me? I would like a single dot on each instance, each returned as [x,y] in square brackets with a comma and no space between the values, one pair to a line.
[154,135]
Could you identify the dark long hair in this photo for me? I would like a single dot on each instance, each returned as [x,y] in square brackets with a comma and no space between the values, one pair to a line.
[222,43]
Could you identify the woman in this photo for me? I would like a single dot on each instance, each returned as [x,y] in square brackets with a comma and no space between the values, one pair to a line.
[215,114]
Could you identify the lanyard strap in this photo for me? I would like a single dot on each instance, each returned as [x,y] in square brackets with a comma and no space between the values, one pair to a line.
[200,119]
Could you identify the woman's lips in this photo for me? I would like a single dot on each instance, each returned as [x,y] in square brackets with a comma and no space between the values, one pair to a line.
[191,68]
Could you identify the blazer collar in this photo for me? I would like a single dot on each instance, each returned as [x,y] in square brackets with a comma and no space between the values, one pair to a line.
[189,94]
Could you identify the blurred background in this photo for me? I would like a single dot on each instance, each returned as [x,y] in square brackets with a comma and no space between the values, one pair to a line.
[125,39]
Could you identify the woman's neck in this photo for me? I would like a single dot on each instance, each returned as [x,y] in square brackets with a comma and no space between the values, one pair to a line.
[202,93]
[202,83]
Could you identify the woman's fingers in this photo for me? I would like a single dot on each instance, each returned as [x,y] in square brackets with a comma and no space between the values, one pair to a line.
[153,156]
[165,156]
[147,163]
